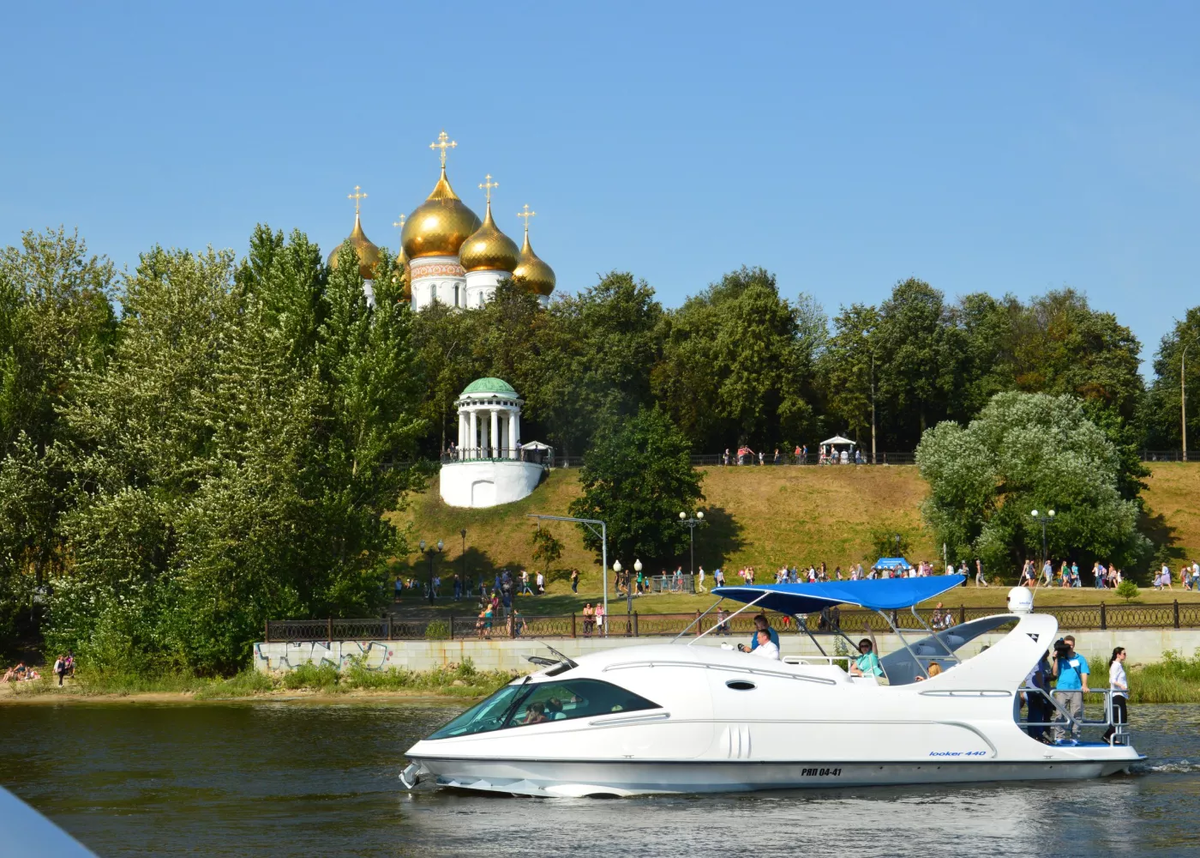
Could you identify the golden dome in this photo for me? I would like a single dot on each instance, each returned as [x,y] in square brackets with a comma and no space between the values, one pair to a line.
[488,249]
[535,275]
[402,268]
[368,254]
[440,225]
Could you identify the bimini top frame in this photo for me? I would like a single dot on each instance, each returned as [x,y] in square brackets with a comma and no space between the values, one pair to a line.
[885,594]
[879,595]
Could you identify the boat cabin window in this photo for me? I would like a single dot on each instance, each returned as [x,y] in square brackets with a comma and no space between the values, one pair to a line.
[527,704]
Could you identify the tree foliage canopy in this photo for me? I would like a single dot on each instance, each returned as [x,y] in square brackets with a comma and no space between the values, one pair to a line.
[1028,452]
[637,477]
[229,461]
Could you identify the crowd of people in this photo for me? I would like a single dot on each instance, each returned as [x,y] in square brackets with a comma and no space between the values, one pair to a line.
[826,455]
[64,666]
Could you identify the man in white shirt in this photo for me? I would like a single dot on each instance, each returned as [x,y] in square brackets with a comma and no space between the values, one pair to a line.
[766,648]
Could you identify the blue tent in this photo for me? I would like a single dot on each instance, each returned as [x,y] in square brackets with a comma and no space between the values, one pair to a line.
[892,563]
[878,594]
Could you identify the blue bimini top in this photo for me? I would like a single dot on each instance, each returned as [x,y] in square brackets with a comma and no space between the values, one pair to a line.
[877,594]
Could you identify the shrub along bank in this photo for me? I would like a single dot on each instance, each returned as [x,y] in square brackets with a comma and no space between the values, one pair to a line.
[460,680]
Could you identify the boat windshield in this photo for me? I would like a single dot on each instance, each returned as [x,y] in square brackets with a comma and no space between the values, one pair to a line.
[902,669]
[522,705]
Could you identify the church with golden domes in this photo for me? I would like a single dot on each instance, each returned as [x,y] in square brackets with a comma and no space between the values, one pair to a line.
[447,254]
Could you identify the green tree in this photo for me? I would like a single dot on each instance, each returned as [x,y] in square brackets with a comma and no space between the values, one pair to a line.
[1164,427]
[918,362]
[848,365]
[1026,452]
[546,548]
[601,346]
[738,364]
[234,459]
[636,477]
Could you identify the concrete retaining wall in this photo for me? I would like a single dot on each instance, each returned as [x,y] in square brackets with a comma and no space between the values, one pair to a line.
[1144,646]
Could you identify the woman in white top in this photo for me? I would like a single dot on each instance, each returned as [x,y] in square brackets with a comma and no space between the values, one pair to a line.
[1119,684]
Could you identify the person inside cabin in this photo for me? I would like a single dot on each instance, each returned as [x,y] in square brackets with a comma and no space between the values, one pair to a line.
[536,714]
[765,648]
[761,624]
[867,663]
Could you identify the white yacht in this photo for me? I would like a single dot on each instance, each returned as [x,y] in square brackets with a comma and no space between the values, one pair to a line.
[690,717]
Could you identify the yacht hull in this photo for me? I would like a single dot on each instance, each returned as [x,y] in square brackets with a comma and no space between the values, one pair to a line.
[625,778]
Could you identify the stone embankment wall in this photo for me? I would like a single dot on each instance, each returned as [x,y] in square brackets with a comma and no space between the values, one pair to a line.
[1144,646]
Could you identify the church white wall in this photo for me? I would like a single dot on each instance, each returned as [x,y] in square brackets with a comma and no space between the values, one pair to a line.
[481,286]
[477,485]
[439,278]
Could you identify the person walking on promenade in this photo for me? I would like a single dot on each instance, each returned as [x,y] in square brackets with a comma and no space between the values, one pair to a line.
[980,581]
[574,580]
[1119,683]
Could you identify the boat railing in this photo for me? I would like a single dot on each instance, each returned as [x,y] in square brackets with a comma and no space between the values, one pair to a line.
[842,661]
[1064,721]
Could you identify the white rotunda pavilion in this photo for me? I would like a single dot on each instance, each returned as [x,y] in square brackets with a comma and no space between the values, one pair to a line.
[488,468]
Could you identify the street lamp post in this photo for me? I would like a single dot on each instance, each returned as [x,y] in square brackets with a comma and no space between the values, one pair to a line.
[463,534]
[590,524]
[1044,519]
[637,570]
[1183,394]
[431,552]
[871,346]
[617,573]
[691,523]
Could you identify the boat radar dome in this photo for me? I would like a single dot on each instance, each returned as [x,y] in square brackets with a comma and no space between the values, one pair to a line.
[1020,600]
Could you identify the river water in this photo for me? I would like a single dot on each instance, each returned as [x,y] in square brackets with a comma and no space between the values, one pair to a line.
[296,779]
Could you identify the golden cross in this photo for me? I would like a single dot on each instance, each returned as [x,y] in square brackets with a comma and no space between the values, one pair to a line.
[443,145]
[399,224]
[356,196]
[527,214]
[487,186]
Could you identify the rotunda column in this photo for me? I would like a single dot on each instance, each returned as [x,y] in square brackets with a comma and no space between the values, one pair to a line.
[462,433]
[512,433]
[495,440]
[473,446]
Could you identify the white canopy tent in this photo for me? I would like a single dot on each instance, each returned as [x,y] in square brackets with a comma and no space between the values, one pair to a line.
[536,452]
[837,449]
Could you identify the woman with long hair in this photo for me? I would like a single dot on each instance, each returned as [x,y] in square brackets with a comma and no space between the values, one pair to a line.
[1119,683]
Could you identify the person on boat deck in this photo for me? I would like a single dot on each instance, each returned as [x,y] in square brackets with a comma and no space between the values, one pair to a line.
[867,664]
[1071,671]
[766,647]
[761,624]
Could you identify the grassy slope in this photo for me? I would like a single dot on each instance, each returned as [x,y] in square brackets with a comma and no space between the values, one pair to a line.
[762,517]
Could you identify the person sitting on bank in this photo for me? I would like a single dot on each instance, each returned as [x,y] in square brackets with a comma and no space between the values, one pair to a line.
[761,624]
[867,663]
[765,648]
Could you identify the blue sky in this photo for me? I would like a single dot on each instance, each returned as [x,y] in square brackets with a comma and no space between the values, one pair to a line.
[1020,148]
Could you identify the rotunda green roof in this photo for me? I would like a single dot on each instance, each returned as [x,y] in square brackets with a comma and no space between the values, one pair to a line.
[489,385]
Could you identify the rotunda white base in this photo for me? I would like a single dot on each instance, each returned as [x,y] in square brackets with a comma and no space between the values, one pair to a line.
[481,484]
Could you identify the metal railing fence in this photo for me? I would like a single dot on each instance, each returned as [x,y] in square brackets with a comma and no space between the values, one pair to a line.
[1103,616]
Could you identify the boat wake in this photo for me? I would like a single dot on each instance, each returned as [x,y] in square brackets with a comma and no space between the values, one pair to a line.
[1174,767]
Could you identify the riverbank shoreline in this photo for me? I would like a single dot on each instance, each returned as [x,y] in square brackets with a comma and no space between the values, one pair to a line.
[12,697]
